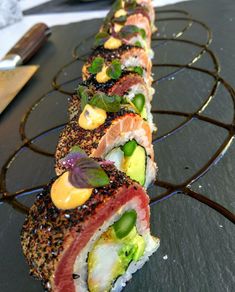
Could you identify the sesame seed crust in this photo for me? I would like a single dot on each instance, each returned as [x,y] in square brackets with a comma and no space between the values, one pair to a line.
[109,55]
[107,87]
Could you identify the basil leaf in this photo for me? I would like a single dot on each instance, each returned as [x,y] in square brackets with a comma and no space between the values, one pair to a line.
[87,173]
[101,38]
[114,71]
[83,92]
[96,65]
[108,103]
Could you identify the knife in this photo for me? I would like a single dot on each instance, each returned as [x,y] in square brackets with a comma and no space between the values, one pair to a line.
[13,73]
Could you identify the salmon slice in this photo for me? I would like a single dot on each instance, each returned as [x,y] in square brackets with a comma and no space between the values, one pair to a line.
[120,128]
[140,21]
[141,55]
[98,142]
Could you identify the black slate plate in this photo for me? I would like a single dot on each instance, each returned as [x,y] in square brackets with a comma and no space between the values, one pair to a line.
[197,243]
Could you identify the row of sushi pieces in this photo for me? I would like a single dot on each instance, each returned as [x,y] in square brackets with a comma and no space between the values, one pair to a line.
[89,229]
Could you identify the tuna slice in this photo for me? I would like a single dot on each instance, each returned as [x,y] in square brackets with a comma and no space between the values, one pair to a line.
[125,83]
[121,87]
[57,242]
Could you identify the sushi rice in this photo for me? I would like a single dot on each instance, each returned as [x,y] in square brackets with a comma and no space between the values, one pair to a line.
[152,244]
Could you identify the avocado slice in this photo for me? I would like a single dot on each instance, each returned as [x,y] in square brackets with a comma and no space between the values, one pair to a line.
[135,165]
[139,242]
[143,113]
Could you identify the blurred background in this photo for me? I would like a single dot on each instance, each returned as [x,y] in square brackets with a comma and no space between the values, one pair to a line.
[17,16]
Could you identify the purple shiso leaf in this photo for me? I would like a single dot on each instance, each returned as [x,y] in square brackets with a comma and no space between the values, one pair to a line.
[70,160]
[106,162]
[87,173]
[74,155]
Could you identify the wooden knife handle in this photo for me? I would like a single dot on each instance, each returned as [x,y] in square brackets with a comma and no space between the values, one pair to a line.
[29,44]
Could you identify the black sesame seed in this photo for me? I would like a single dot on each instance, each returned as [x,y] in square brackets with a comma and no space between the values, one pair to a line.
[75,276]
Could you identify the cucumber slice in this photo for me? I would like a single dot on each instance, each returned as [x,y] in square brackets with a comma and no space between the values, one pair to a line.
[129,147]
[135,165]
[116,155]
[125,224]
[139,101]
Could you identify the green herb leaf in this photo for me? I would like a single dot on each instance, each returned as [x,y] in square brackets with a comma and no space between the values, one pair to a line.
[100,99]
[114,71]
[72,157]
[137,69]
[84,172]
[120,19]
[87,173]
[130,30]
[101,38]
[130,4]
[106,102]
[138,44]
[77,149]
[142,33]
[84,94]
[96,65]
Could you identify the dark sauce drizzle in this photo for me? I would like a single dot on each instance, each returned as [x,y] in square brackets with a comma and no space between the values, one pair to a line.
[170,189]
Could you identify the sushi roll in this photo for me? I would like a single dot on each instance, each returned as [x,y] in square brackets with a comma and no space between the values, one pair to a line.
[133,94]
[148,7]
[84,236]
[122,84]
[131,59]
[89,229]
[124,138]
[130,23]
